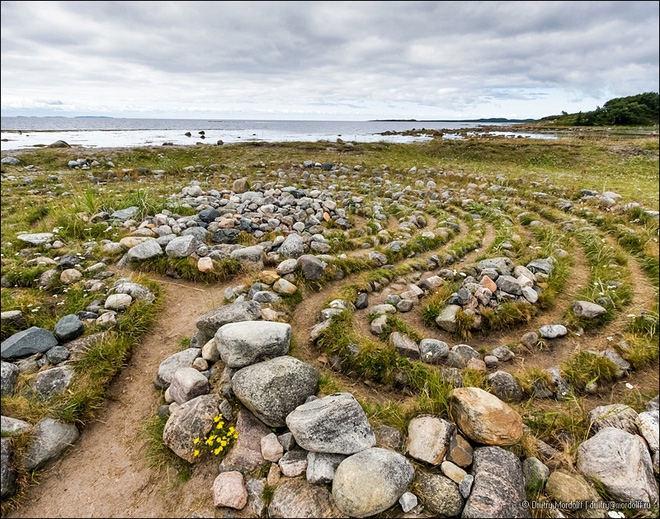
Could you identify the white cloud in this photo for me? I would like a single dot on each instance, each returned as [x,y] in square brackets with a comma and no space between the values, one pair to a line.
[325,59]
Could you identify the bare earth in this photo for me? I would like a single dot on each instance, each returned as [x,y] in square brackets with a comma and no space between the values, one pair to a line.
[105,473]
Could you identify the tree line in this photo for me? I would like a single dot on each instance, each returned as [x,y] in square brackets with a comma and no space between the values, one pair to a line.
[637,110]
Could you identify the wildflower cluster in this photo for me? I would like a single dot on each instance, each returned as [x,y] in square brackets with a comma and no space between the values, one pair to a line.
[217,440]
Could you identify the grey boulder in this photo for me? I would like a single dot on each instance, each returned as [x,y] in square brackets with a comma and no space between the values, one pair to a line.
[244,343]
[27,342]
[334,424]
[50,438]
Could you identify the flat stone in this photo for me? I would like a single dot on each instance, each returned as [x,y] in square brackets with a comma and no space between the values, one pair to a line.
[484,418]
[246,342]
[428,438]
[27,342]
[50,438]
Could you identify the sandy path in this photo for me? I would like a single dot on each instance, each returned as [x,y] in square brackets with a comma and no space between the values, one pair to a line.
[105,474]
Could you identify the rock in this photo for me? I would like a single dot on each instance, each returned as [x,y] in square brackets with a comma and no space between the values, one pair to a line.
[245,455]
[182,246]
[552,331]
[447,318]
[273,388]
[205,264]
[282,286]
[252,256]
[50,438]
[505,386]
[125,214]
[229,490]
[614,415]
[321,467]
[12,161]
[535,474]
[271,448]
[529,340]
[52,381]
[8,478]
[388,437]
[371,481]
[542,266]
[68,328]
[37,238]
[144,251]
[8,377]
[27,342]
[438,494]
[647,424]
[293,463]
[292,247]
[503,353]
[433,351]
[192,419]
[484,418]
[498,489]
[13,318]
[210,322]
[459,451]
[408,501]
[452,471]
[334,424]
[502,265]
[465,486]
[404,345]
[167,368]
[428,438]
[312,267]
[246,342]
[297,498]
[588,310]
[118,302]
[135,290]
[509,284]
[187,383]
[13,426]
[652,405]
[621,463]
[562,486]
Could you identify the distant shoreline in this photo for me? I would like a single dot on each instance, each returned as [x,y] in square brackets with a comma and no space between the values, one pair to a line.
[489,120]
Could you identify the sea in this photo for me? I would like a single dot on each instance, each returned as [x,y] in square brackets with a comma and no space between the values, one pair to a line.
[109,132]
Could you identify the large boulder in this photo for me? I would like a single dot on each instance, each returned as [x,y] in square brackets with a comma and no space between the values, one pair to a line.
[211,321]
[484,418]
[244,343]
[193,419]
[144,251]
[273,388]
[371,481]
[50,438]
[27,342]
[333,424]
[182,246]
[499,488]
[292,247]
[621,463]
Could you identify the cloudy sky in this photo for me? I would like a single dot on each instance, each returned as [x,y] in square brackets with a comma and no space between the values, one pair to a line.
[324,60]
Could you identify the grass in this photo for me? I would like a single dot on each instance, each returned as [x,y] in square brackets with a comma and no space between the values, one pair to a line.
[585,368]
[160,456]
[558,168]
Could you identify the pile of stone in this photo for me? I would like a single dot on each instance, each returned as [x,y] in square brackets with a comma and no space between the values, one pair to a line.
[492,282]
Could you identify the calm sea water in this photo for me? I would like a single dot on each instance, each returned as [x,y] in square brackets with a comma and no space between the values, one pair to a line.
[110,132]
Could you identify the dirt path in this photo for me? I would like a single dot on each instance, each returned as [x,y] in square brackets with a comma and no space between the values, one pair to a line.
[105,473]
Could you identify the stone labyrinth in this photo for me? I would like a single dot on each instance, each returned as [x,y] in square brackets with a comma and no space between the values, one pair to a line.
[396,344]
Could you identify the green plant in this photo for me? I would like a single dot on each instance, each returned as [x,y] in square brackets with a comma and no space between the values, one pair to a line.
[584,368]
[218,441]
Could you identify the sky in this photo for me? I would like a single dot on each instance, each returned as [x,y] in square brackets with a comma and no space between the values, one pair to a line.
[324,60]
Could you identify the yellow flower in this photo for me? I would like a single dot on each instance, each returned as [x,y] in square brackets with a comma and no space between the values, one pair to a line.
[196,453]
[213,437]
[217,418]
[223,443]
[196,441]
[235,436]
[231,430]
[217,451]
